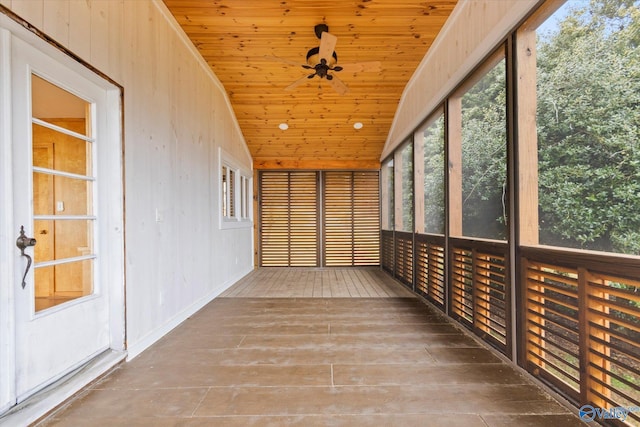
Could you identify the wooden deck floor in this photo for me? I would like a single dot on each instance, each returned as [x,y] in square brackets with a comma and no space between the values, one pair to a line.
[275,282]
[266,360]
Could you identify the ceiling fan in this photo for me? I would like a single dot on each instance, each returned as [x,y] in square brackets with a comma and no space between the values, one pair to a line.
[322,60]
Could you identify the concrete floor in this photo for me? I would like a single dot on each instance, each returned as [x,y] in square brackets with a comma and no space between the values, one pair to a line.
[268,361]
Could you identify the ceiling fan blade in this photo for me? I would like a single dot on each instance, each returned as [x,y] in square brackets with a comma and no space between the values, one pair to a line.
[297,83]
[327,46]
[338,85]
[362,67]
[283,60]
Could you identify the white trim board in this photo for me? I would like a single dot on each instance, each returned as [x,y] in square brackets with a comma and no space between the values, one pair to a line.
[147,341]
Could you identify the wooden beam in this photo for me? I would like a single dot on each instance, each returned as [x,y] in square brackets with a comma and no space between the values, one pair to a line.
[315,164]
[527,138]
[455,165]
[418,180]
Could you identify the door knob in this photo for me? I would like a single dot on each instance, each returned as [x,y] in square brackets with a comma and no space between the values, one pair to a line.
[23,242]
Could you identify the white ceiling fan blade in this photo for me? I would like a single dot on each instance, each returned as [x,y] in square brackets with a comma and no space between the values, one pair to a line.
[327,46]
[297,83]
[338,85]
[362,67]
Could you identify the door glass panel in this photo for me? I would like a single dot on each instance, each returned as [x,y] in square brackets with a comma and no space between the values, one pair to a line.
[68,239]
[73,153]
[57,284]
[63,189]
[50,102]
[60,195]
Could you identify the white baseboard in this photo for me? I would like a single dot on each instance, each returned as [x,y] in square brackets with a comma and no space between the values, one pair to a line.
[46,400]
[135,349]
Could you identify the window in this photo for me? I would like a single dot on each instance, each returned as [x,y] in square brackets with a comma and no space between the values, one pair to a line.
[245,197]
[235,194]
[228,199]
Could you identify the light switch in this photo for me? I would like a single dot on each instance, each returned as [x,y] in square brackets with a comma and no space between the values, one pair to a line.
[60,206]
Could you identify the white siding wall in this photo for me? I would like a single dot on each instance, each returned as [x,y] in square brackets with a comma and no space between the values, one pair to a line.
[472,32]
[176,115]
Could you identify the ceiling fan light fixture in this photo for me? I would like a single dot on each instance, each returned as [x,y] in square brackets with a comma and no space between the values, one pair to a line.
[357,125]
[283,126]
[313,57]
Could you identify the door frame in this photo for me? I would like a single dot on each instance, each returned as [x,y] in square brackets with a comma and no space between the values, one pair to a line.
[113,272]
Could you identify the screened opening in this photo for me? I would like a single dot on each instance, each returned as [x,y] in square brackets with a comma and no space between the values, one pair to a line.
[588,113]
[403,170]
[430,166]
[480,154]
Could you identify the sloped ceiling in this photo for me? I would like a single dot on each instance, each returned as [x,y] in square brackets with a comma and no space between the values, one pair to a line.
[239,38]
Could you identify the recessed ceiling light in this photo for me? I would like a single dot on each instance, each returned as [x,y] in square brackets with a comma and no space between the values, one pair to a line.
[357,125]
[283,126]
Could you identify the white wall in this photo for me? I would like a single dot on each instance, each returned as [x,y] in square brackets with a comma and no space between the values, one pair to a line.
[176,116]
[472,32]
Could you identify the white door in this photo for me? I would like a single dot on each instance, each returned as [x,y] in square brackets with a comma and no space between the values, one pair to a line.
[62,311]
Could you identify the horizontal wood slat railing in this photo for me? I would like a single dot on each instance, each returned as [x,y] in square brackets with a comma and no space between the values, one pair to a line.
[478,293]
[387,251]
[430,269]
[480,290]
[582,322]
[579,311]
[404,257]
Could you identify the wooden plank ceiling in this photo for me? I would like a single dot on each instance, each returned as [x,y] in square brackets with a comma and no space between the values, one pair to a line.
[237,37]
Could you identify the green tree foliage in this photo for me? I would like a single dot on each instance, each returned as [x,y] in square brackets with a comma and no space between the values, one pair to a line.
[589,128]
[433,140]
[406,160]
[484,156]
